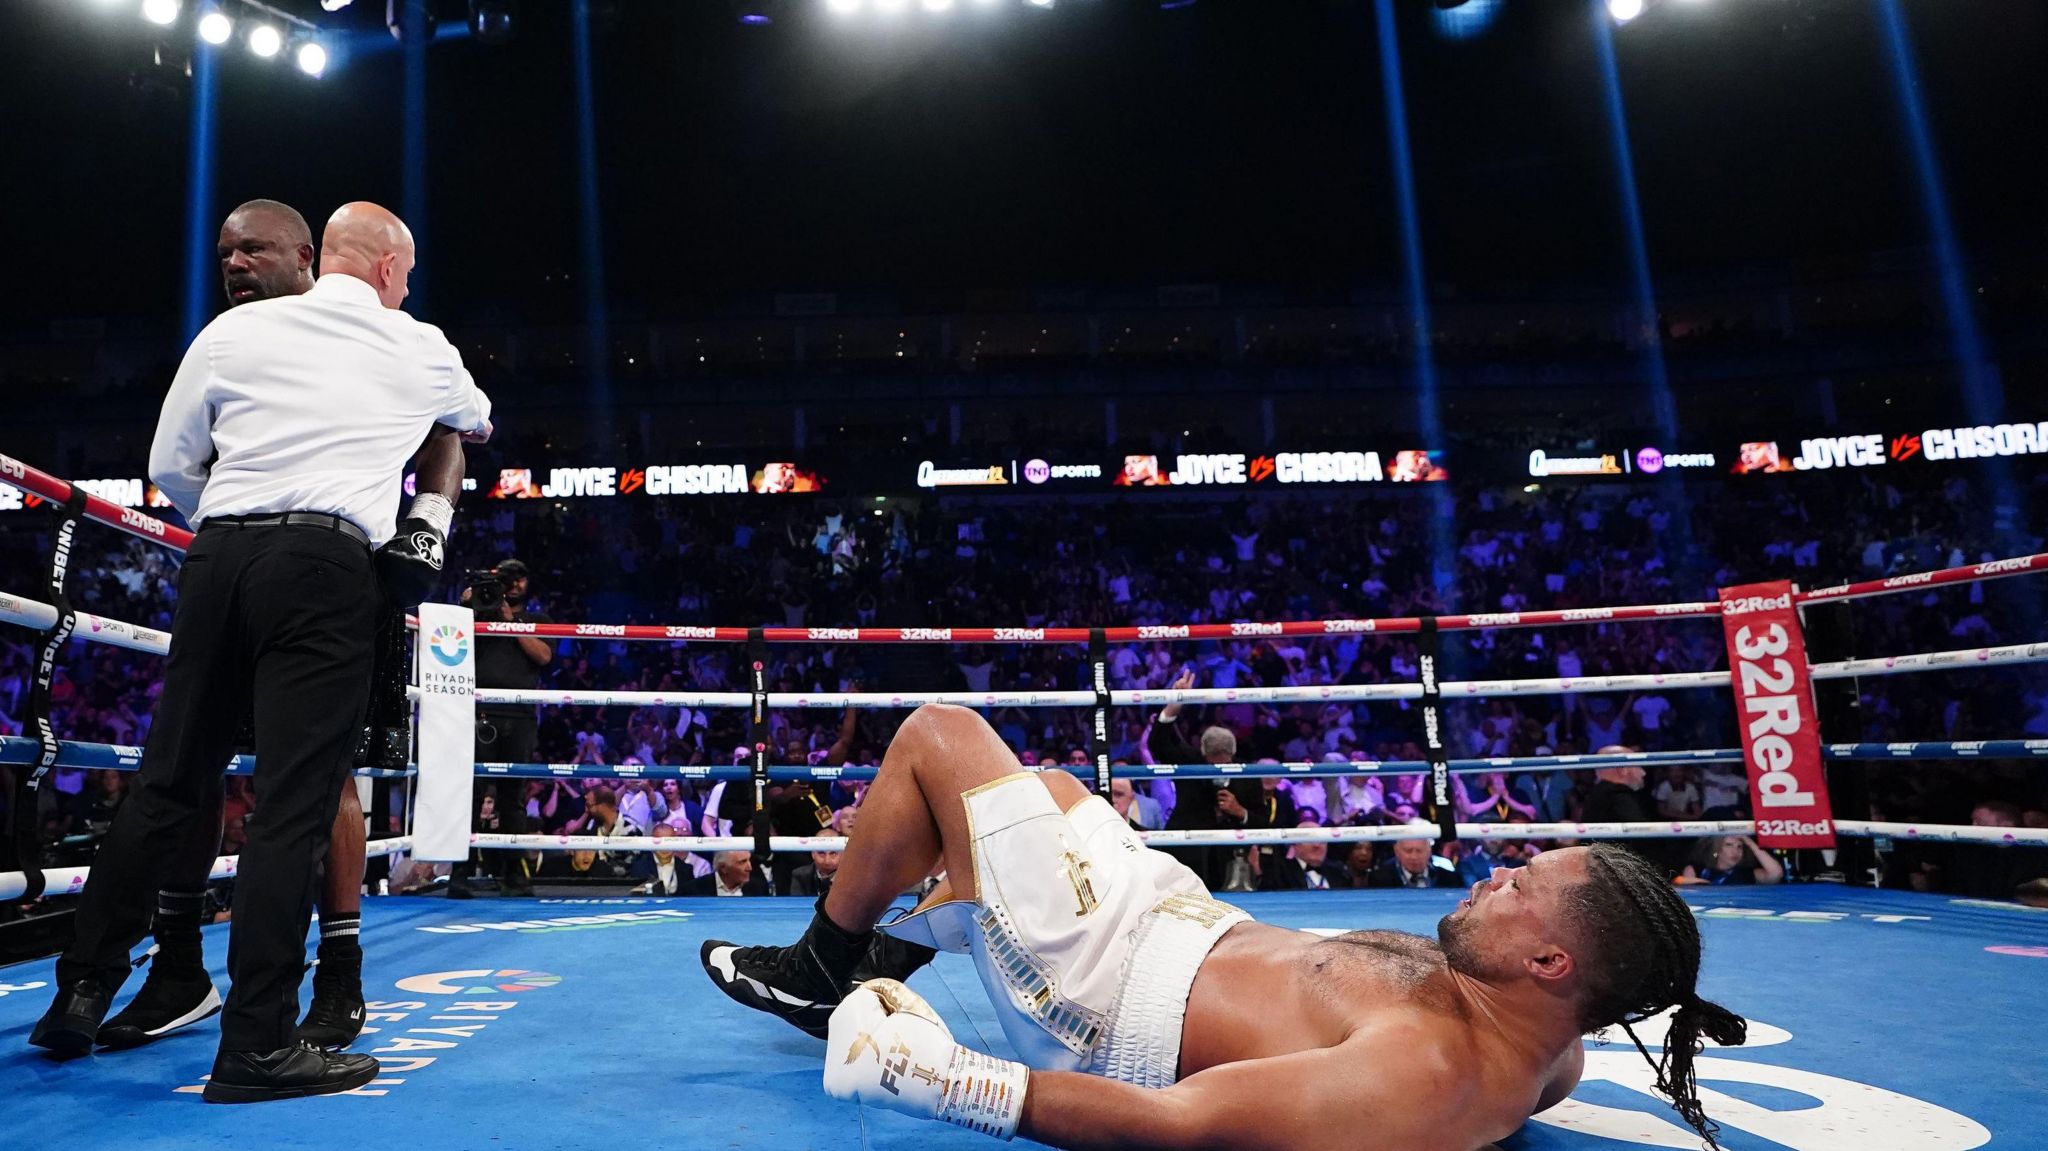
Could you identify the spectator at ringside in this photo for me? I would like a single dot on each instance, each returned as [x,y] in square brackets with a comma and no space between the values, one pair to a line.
[732,874]
[664,873]
[1414,865]
[1617,797]
[1731,860]
[1678,797]
[1140,811]
[1306,866]
[1276,809]
[1479,860]
[815,877]
[1494,797]
[1205,804]
[1358,863]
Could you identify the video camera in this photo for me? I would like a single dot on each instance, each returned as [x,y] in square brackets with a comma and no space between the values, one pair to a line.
[486,589]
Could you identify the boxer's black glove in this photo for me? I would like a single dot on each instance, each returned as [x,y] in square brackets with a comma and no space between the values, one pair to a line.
[409,563]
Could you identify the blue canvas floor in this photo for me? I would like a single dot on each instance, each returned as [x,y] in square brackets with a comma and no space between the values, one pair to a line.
[1885,1022]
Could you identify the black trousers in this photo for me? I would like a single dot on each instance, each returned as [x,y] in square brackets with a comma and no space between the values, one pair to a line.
[284,617]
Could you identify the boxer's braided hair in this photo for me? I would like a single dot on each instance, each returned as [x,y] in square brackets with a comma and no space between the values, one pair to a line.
[1644,957]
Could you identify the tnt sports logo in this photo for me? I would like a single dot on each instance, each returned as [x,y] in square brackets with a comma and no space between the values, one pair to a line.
[1649,461]
[450,645]
[1037,471]
[479,981]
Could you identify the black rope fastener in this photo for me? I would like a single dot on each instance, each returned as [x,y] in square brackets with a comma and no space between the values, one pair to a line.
[28,844]
[1098,735]
[757,738]
[1439,803]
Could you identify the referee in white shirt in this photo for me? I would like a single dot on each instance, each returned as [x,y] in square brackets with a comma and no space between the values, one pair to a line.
[282,440]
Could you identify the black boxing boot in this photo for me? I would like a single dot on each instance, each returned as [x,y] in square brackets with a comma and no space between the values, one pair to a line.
[177,992]
[890,958]
[287,1073]
[335,1018]
[801,983]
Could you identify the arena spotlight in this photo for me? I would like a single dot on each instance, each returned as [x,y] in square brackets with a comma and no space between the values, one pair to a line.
[265,40]
[164,12]
[335,5]
[311,58]
[491,20]
[1040,3]
[216,28]
[844,7]
[1624,11]
[938,5]
[892,7]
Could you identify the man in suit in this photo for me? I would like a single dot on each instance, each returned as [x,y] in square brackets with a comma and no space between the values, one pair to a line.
[661,872]
[1414,865]
[732,873]
[1305,867]
[815,877]
[1204,804]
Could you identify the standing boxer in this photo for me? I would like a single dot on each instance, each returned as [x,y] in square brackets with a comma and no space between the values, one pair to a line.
[281,440]
[266,251]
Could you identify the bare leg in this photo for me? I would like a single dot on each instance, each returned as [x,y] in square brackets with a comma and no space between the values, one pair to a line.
[914,813]
[342,892]
[914,817]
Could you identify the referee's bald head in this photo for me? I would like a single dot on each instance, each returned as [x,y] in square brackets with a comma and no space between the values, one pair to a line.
[265,250]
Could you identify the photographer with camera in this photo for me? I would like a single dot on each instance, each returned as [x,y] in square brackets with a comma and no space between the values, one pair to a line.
[505,733]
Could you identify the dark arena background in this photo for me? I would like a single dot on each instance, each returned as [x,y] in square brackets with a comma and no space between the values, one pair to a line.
[1425,404]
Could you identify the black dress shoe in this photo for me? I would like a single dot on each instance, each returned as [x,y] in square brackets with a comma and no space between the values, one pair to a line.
[68,1028]
[287,1073]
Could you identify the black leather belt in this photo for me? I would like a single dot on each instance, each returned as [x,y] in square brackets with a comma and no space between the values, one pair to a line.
[294,519]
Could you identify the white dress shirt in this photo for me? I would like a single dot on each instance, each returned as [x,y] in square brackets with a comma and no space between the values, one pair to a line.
[312,403]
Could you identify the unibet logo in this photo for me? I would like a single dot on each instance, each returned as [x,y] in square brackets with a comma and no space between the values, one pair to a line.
[478,981]
[450,645]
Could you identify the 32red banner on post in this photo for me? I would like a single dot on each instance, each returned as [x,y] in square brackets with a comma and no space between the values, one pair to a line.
[1775,711]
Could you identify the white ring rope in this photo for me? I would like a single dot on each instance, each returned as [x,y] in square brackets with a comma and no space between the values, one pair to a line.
[135,637]
[71,880]
[91,628]
[1286,836]
[1958,659]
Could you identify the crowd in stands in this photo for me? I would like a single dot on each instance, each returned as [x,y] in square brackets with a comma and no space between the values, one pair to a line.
[1170,560]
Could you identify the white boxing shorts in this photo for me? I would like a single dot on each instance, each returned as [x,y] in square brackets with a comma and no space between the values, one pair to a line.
[1086,940]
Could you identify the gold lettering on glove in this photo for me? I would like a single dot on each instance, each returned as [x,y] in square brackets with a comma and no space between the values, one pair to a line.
[864,1044]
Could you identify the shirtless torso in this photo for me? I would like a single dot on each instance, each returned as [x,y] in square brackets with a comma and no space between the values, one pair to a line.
[1266,991]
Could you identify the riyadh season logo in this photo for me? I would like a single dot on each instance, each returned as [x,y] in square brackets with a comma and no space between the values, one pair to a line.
[450,645]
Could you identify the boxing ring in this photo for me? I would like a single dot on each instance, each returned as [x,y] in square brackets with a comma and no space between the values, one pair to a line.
[1882,1020]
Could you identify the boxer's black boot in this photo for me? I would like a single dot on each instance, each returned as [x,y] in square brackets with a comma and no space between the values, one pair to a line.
[890,958]
[177,992]
[335,1018]
[800,983]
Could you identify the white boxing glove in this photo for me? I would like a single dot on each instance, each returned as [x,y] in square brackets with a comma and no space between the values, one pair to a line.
[886,1047]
